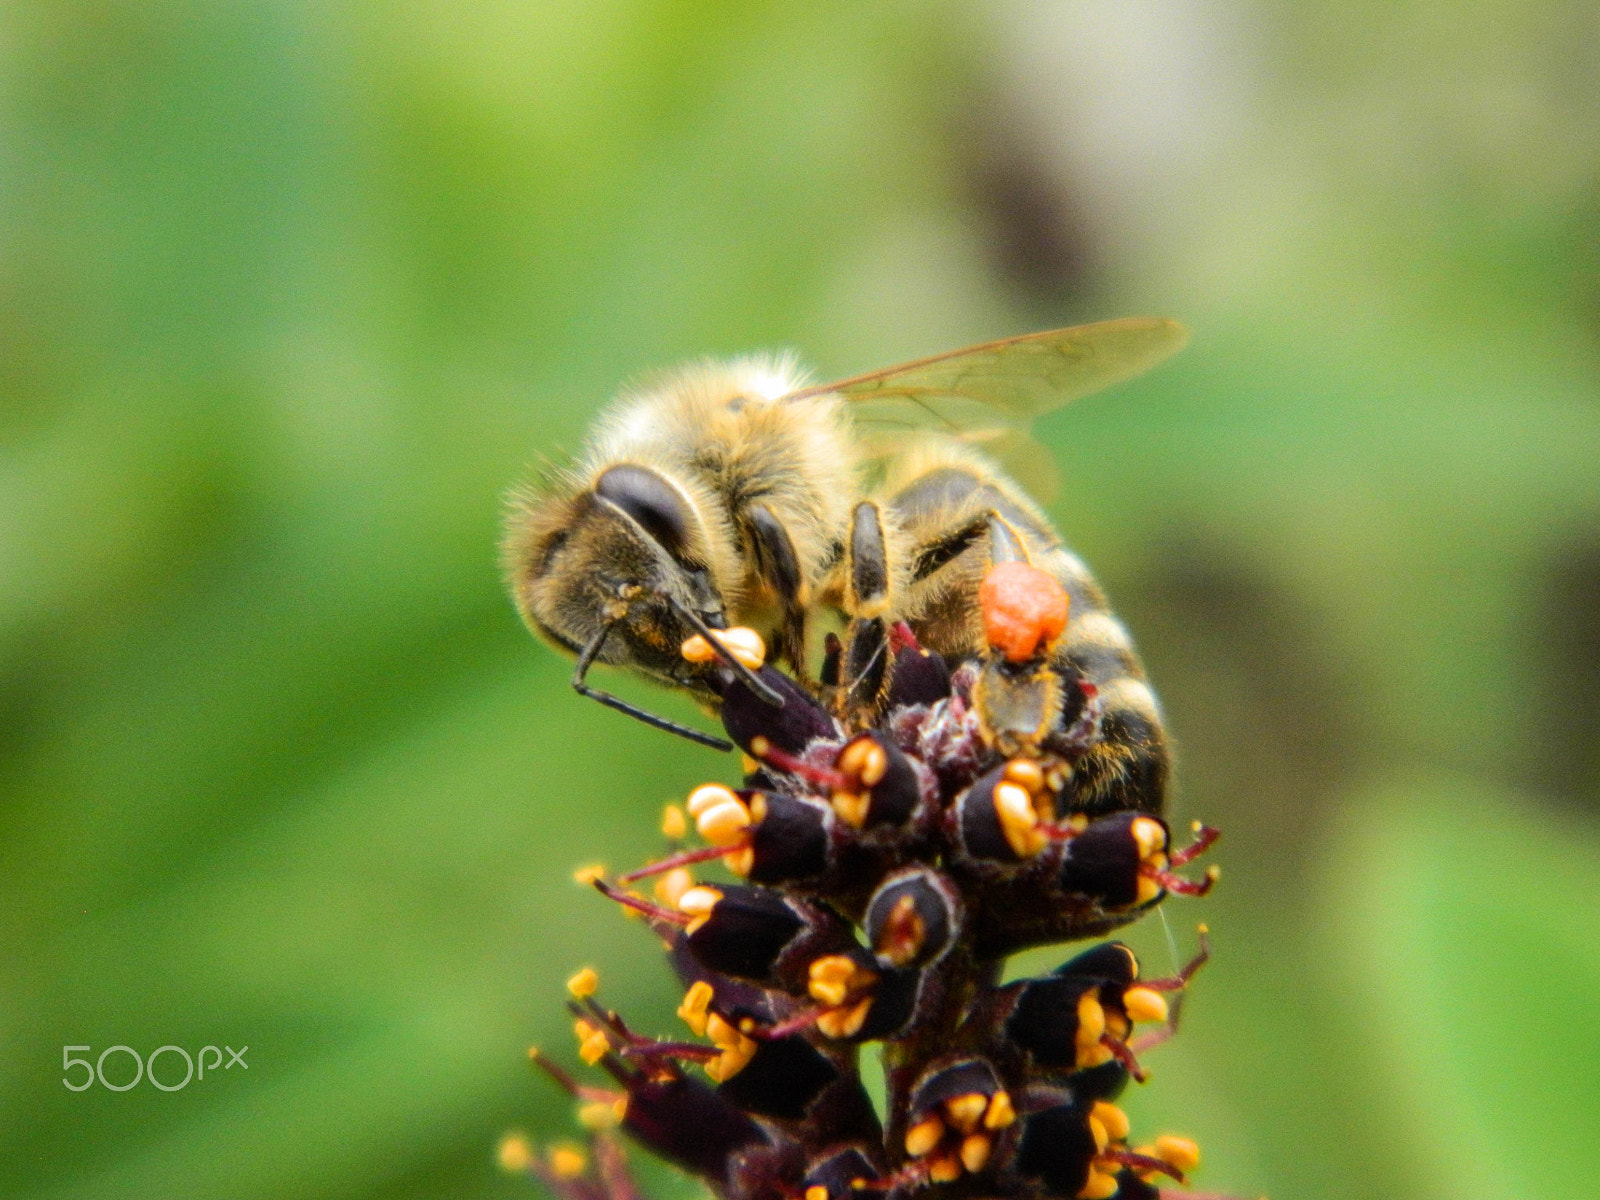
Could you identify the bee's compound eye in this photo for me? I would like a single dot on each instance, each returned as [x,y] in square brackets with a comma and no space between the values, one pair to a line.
[651,501]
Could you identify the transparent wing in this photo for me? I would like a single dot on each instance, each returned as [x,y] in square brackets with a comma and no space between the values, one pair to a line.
[987,395]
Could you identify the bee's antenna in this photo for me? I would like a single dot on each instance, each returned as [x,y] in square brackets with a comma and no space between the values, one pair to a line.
[586,659]
[751,680]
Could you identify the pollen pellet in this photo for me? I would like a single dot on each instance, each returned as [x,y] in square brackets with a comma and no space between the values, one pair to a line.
[1024,610]
[1101,1186]
[670,887]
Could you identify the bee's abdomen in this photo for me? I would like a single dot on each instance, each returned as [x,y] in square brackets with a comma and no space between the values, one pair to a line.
[1128,762]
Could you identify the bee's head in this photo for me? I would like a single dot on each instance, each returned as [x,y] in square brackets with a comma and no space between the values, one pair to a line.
[626,552]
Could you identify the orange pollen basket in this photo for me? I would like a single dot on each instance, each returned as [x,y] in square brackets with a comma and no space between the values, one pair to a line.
[1024,610]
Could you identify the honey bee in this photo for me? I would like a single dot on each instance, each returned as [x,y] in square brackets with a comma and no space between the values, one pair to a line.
[735,494]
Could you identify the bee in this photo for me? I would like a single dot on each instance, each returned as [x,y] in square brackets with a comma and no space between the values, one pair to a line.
[735,494]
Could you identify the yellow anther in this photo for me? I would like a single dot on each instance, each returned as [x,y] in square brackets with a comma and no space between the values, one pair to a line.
[1213,873]
[698,902]
[830,978]
[583,984]
[1018,821]
[673,823]
[695,1007]
[1179,1152]
[1146,890]
[1025,773]
[669,889]
[1112,1119]
[748,764]
[567,1162]
[1001,1111]
[589,874]
[816,1192]
[594,1047]
[945,1169]
[1101,1186]
[741,861]
[852,807]
[707,795]
[1143,1004]
[866,760]
[964,1112]
[924,1136]
[619,1108]
[845,1022]
[1097,1130]
[514,1153]
[744,644]
[597,1115]
[1091,1019]
[724,824]
[720,1031]
[975,1151]
[1150,837]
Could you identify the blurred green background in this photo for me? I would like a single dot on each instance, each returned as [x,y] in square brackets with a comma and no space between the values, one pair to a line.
[290,292]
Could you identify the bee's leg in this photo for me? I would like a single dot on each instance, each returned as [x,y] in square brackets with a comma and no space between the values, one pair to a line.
[780,567]
[867,567]
[580,673]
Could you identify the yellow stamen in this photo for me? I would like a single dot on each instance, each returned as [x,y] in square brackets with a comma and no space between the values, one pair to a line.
[924,1136]
[698,902]
[975,1151]
[966,1111]
[514,1153]
[830,979]
[1018,821]
[744,644]
[1091,1020]
[1112,1119]
[816,1192]
[1151,838]
[1180,1152]
[583,984]
[1101,1186]
[673,823]
[1026,774]
[695,1007]
[741,861]
[597,1115]
[1001,1111]
[706,796]
[945,1169]
[1142,1004]
[567,1162]
[1148,889]
[724,824]
[1102,1138]
[852,807]
[669,889]
[589,874]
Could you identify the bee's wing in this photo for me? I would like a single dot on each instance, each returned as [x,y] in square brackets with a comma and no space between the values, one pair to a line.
[986,395]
